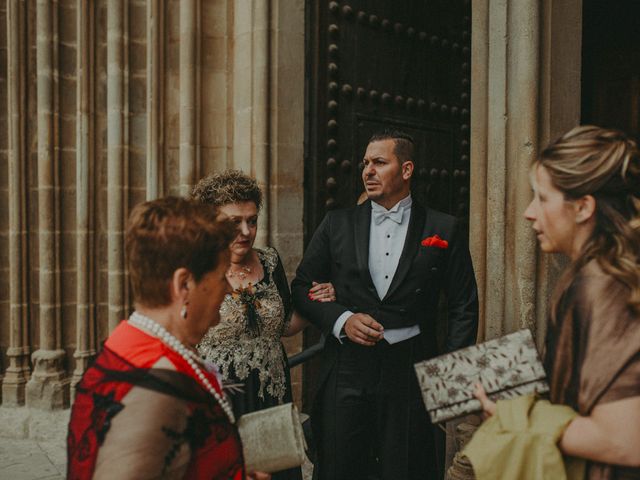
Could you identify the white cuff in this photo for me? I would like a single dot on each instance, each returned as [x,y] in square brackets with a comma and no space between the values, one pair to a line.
[337,327]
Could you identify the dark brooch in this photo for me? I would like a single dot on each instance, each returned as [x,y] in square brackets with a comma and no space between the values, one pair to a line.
[248,297]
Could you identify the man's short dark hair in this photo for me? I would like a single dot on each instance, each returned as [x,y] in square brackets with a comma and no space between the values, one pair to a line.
[405,145]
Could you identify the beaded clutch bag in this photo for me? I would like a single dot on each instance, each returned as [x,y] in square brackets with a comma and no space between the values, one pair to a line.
[272,439]
[507,367]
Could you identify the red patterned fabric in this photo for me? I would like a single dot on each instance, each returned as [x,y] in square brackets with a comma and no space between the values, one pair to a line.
[126,361]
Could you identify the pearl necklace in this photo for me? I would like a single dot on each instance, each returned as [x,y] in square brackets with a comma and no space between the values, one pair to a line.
[138,320]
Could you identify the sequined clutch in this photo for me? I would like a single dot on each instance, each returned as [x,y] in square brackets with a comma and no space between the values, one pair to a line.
[272,439]
[507,367]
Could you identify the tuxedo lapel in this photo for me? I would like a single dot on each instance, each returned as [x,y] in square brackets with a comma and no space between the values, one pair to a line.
[361,227]
[411,244]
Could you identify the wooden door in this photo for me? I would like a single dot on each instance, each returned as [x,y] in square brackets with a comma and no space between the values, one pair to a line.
[611,65]
[377,63]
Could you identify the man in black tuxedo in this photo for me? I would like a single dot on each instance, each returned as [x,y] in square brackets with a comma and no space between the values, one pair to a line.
[388,260]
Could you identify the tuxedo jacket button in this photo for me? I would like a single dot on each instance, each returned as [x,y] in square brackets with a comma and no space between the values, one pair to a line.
[418,290]
[434,269]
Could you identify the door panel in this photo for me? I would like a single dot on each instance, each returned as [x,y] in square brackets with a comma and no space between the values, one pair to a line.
[375,64]
[611,65]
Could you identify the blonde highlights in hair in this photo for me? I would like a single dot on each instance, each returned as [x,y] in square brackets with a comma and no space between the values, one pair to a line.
[605,164]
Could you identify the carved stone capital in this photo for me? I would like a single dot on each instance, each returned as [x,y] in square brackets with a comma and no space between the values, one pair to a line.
[48,388]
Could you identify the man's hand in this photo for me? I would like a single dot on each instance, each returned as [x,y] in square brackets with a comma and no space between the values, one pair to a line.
[363,329]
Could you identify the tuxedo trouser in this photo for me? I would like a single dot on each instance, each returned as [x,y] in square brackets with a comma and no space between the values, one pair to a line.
[374,423]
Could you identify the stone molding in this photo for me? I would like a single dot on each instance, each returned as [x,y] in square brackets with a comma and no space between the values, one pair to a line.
[17,373]
[109,105]
[514,72]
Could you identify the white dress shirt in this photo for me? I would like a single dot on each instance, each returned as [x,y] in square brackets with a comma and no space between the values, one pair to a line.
[387,233]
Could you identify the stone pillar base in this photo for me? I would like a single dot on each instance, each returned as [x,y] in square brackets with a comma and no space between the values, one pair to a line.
[48,389]
[16,376]
[83,360]
[461,468]
[13,390]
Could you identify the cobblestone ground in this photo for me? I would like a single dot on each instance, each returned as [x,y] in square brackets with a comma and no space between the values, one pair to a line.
[32,460]
[33,445]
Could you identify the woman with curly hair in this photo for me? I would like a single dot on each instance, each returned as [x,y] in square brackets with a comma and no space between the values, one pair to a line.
[586,205]
[246,344]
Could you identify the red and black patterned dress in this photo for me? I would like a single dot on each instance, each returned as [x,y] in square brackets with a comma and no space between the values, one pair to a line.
[132,418]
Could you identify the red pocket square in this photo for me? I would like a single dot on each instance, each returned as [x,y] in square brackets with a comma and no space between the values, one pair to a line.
[434,241]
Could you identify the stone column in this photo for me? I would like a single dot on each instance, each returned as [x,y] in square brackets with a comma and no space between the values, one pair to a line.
[188,87]
[286,149]
[524,92]
[251,99]
[268,122]
[115,159]
[560,100]
[504,140]
[505,76]
[85,159]
[47,387]
[13,386]
[261,101]
[155,86]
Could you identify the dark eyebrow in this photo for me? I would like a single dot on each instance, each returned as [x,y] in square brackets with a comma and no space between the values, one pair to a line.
[374,158]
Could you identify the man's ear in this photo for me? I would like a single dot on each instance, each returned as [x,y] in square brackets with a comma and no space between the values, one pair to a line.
[407,170]
[179,285]
[585,208]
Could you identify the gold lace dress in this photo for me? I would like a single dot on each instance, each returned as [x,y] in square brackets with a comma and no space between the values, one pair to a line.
[250,352]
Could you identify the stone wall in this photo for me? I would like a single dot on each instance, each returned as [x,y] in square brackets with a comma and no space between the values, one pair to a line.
[109,103]
[525,78]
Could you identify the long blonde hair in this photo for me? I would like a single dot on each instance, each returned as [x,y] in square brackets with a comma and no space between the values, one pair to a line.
[605,164]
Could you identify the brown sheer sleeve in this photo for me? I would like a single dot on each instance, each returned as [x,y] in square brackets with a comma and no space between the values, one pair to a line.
[612,345]
[139,444]
[626,384]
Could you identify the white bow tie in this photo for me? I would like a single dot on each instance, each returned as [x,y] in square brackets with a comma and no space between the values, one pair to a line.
[380,215]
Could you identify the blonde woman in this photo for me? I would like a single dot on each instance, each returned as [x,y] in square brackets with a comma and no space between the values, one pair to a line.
[586,206]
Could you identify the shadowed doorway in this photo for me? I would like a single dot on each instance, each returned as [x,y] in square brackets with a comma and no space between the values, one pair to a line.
[611,64]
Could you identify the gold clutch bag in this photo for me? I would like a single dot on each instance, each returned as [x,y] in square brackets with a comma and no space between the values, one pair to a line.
[272,439]
[507,367]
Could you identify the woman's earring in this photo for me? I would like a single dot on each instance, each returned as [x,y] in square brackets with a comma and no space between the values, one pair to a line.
[183,311]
